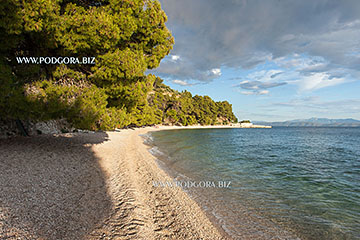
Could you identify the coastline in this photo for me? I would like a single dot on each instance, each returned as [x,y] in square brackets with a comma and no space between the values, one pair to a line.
[176,215]
[235,125]
[92,186]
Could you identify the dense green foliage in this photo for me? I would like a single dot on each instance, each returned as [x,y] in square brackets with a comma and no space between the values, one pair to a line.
[182,108]
[127,37]
[245,121]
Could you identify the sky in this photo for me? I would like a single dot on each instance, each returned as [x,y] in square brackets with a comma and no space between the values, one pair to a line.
[273,60]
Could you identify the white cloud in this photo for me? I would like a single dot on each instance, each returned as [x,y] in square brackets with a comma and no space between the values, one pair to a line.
[260,81]
[306,72]
[174,58]
[264,75]
[216,71]
[262,92]
[181,82]
[247,93]
[317,81]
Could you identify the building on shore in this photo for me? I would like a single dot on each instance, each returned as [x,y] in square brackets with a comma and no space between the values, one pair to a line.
[246,124]
[249,124]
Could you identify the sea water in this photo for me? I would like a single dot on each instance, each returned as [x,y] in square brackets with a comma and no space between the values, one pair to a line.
[284,182]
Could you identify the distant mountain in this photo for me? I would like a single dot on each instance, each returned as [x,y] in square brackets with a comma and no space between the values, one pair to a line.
[314,122]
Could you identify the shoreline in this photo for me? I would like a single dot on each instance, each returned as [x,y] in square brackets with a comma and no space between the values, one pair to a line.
[182,183]
[94,186]
[199,215]
[164,127]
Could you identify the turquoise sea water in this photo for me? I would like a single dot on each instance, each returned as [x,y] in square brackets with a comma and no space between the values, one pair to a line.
[286,183]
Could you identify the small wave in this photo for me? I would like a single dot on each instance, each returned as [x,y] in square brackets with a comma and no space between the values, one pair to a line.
[181,176]
[156,152]
[148,139]
[222,223]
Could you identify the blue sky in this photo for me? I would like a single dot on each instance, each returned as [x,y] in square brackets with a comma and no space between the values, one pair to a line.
[273,60]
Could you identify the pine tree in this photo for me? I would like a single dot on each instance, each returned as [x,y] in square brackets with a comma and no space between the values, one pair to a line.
[125,37]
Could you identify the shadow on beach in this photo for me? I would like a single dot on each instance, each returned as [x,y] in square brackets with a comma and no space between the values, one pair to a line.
[51,187]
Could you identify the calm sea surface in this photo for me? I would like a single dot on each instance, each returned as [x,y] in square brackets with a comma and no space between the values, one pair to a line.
[287,183]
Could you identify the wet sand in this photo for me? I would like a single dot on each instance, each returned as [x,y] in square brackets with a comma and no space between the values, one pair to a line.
[92,186]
